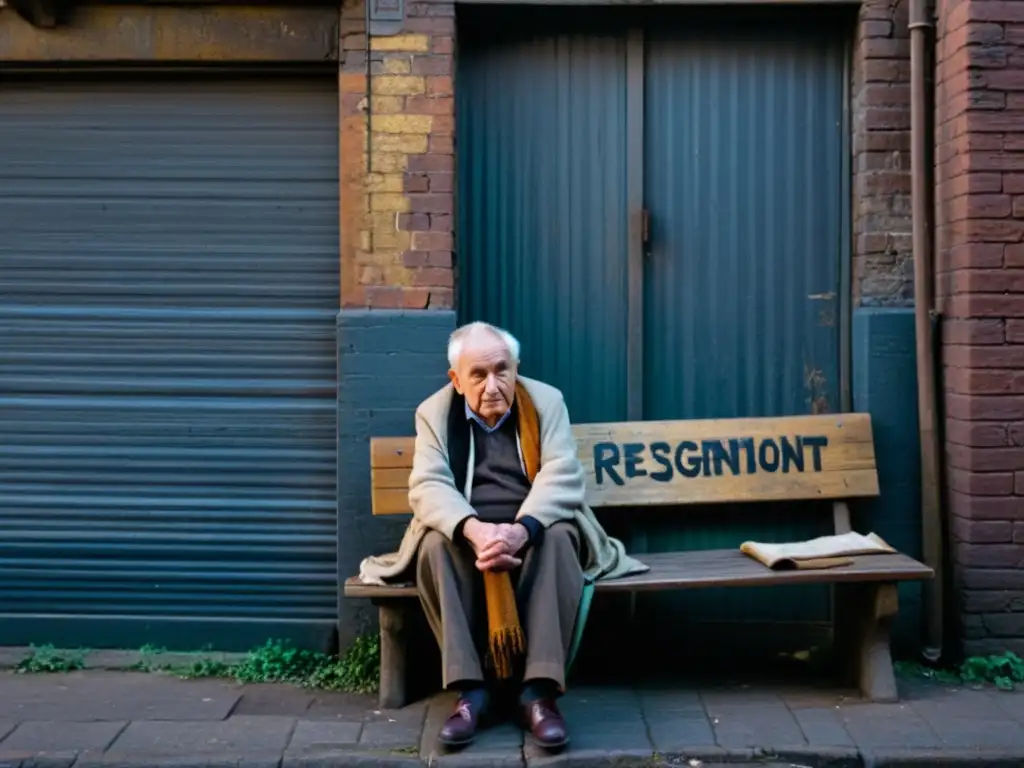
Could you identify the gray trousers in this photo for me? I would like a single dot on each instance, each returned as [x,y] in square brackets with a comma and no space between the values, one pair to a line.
[548,589]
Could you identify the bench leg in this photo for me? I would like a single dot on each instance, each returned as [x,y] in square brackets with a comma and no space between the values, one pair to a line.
[863,614]
[392,653]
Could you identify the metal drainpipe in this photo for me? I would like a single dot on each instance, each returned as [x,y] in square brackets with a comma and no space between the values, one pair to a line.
[922,198]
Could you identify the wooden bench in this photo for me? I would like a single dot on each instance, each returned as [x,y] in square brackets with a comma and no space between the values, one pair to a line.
[829,457]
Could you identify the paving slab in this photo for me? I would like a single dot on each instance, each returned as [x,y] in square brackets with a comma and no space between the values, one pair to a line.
[49,736]
[324,734]
[1011,703]
[754,725]
[243,735]
[345,706]
[114,696]
[888,725]
[279,700]
[823,726]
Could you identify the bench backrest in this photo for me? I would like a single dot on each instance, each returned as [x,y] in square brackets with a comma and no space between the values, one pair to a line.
[649,463]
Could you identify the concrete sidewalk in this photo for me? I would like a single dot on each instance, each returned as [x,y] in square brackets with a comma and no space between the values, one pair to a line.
[139,720]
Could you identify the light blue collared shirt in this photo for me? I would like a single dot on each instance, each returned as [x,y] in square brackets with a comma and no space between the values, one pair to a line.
[482,423]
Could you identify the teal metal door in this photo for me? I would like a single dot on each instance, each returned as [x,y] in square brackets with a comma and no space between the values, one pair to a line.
[542,196]
[654,204]
[743,181]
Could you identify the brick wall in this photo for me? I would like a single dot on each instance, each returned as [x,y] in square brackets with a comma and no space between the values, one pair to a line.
[882,263]
[980,212]
[397,199]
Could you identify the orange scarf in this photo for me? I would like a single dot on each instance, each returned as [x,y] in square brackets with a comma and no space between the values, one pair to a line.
[506,641]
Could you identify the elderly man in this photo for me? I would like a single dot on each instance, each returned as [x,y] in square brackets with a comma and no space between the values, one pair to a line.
[497,489]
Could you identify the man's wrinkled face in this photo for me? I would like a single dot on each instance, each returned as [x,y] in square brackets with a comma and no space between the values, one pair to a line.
[485,374]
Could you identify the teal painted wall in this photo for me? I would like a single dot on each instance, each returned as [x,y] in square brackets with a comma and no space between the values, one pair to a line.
[885,385]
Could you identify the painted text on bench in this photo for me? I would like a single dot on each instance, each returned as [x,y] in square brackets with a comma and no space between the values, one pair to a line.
[660,460]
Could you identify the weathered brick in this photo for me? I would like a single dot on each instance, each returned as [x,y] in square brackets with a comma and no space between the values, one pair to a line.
[415,298]
[432,241]
[431,163]
[399,142]
[441,298]
[988,230]
[442,44]
[875,28]
[982,531]
[990,556]
[980,281]
[439,85]
[992,601]
[398,85]
[384,297]
[393,65]
[887,118]
[989,206]
[445,145]
[984,381]
[1018,538]
[416,182]
[408,124]
[1004,356]
[440,222]
[993,579]
[389,201]
[1005,624]
[430,203]
[420,259]
[431,25]
[974,331]
[886,70]
[389,162]
[987,459]
[884,48]
[431,105]
[981,483]
[972,184]
[432,65]
[441,182]
[440,277]
[987,408]
[411,42]
[384,182]
[1015,331]
[986,305]
[413,222]
[976,433]
[386,105]
[975,256]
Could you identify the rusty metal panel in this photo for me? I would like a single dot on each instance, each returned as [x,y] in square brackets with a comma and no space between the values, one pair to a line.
[178,33]
[168,293]
[542,196]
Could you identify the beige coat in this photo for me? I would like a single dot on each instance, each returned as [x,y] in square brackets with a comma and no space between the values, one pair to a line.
[557,492]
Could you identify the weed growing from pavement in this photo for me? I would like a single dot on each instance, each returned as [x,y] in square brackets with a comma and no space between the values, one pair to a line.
[46,659]
[277,661]
[1005,671]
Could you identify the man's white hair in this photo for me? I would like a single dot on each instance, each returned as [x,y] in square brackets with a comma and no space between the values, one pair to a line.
[457,340]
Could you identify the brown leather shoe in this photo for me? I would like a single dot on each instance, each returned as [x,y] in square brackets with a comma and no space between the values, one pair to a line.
[545,724]
[459,729]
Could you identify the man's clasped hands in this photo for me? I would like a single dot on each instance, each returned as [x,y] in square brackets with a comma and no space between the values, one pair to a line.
[496,544]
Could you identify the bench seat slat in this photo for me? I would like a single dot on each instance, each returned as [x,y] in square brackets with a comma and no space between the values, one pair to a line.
[717,568]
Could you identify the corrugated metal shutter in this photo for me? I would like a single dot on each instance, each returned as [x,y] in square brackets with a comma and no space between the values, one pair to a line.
[168,292]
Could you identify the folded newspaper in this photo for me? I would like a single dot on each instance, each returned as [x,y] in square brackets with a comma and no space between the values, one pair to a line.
[823,552]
